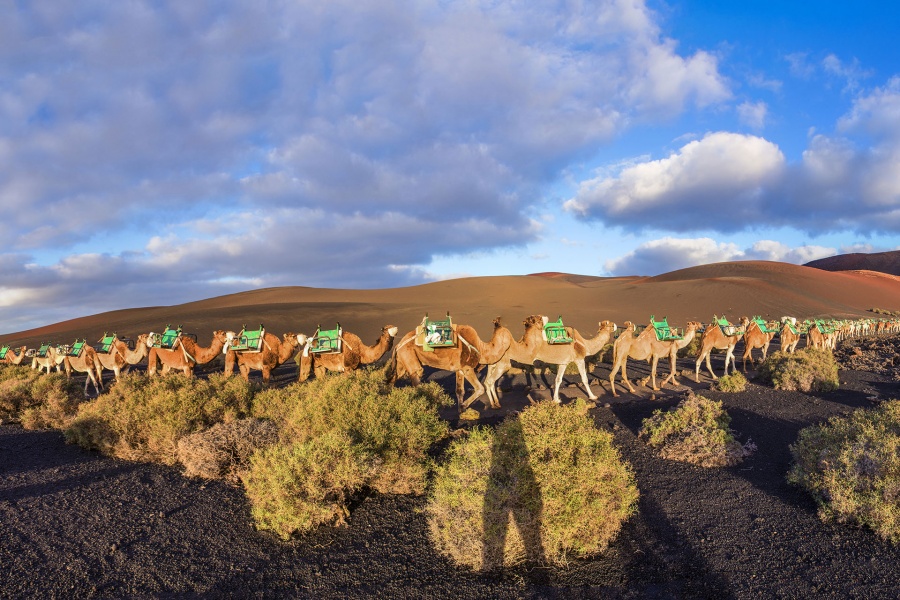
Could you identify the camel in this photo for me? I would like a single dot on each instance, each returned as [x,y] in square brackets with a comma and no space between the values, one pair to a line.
[754,337]
[647,346]
[53,357]
[462,358]
[186,354]
[790,335]
[120,357]
[820,336]
[11,358]
[353,353]
[274,352]
[85,362]
[720,335]
[534,347]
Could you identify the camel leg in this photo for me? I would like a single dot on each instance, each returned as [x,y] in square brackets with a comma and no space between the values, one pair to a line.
[697,366]
[671,378]
[229,364]
[266,374]
[494,373]
[245,372]
[612,379]
[560,374]
[625,379]
[653,362]
[582,370]
[468,374]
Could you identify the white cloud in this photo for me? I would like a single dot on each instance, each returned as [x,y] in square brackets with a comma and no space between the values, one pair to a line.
[669,254]
[753,114]
[716,182]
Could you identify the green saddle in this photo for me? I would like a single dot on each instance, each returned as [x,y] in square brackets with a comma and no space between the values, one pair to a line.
[823,327]
[43,350]
[727,328]
[555,332]
[77,348]
[167,338]
[106,343]
[326,340]
[433,334]
[249,340]
[664,333]
[3,351]
[763,326]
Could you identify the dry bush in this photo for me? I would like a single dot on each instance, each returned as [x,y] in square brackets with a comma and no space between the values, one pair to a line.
[396,425]
[15,391]
[142,418]
[55,402]
[696,431]
[806,370]
[223,451]
[851,466]
[736,382]
[693,348]
[548,486]
[297,486]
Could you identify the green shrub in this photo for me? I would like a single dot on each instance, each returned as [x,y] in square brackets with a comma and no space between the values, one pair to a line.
[55,402]
[15,390]
[736,382]
[298,486]
[397,425]
[696,431]
[142,418]
[806,370]
[550,472]
[693,348]
[851,466]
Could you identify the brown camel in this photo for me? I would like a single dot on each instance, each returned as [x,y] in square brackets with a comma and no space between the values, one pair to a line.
[754,337]
[11,358]
[274,353]
[646,346]
[789,335]
[462,358]
[120,357]
[715,338]
[534,347]
[353,353]
[820,336]
[85,362]
[53,357]
[186,354]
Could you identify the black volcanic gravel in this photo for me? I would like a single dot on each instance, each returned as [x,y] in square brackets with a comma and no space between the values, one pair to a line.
[74,524]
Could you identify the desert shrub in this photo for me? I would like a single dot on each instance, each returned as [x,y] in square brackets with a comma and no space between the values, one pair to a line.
[297,486]
[15,390]
[806,370]
[545,487]
[55,402]
[223,451]
[692,349]
[696,431]
[397,425]
[736,382]
[851,466]
[142,418]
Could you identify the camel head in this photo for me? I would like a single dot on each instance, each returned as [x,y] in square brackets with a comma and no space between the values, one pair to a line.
[608,325]
[496,322]
[533,320]
[149,340]
[294,339]
[390,329]
[627,325]
[223,336]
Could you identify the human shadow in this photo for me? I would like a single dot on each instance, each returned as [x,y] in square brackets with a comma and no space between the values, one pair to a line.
[512,493]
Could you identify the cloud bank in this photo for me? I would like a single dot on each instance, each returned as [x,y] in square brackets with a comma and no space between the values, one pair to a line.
[337,143]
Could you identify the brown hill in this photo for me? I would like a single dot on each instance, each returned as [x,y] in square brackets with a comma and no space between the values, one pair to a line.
[738,288]
[883,262]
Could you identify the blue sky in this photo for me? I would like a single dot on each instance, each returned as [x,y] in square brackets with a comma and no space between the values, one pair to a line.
[160,152]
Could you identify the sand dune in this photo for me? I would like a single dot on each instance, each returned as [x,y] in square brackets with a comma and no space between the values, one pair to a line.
[734,289]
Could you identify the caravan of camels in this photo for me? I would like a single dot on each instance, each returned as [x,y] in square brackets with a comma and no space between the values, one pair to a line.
[443,345]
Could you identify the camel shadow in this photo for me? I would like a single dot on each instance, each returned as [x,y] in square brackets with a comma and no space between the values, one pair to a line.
[512,494]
